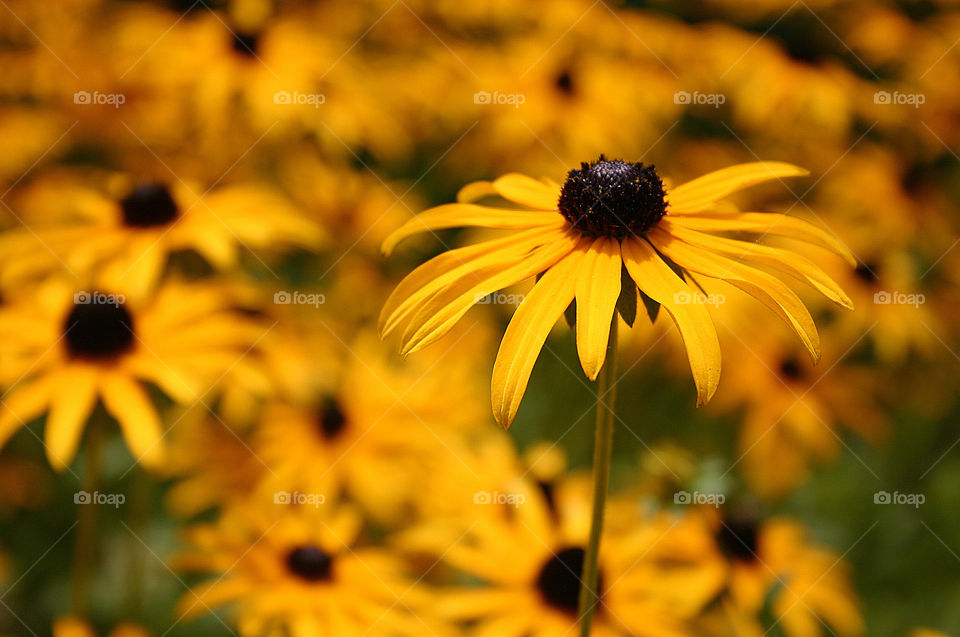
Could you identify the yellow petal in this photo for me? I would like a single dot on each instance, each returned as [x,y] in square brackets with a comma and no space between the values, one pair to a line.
[784,260]
[766,223]
[70,406]
[475,191]
[24,402]
[129,403]
[661,283]
[597,289]
[527,191]
[767,289]
[458,215]
[703,191]
[441,312]
[527,333]
[446,268]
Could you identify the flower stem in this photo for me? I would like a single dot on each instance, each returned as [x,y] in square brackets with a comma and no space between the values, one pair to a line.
[603,448]
[85,546]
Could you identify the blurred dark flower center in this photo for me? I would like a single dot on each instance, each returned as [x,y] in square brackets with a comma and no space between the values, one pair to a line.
[149,204]
[737,539]
[790,369]
[612,198]
[331,418]
[98,331]
[564,82]
[559,579]
[310,563]
[867,272]
[246,43]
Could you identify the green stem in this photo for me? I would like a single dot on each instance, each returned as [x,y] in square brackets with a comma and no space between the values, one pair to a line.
[85,546]
[603,448]
[138,515]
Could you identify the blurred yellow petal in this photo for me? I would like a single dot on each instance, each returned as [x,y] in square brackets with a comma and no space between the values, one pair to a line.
[72,402]
[129,403]
[527,191]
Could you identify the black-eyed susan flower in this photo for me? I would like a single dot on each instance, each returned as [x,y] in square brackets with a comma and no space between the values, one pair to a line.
[298,570]
[529,562]
[611,228]
[63,350]
[120,233]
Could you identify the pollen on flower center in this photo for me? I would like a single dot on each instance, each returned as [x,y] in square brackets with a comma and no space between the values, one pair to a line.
[310,563]
[612,198]
[559,579]
[149,204]
[331,418]
[98,331]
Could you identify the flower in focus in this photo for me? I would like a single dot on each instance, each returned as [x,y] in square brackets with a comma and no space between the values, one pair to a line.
[610,229]
[63,350]
[298,569]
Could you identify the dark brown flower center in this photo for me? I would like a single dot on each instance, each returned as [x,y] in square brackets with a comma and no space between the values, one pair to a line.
[559,579]
[310,563]
[246,43]
[330,418]
[737,539]
[149,204]
[612,198]
[98,330]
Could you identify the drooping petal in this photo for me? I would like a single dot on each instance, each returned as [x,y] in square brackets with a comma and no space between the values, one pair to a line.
[766,223]
[767,289]
[475,191]
[699,193]
[527,191]
[441,312]
[527,333]
[129,403]
[658,281]
[70,406]
[784,260]
[459,215]
[597,290]
[445,268]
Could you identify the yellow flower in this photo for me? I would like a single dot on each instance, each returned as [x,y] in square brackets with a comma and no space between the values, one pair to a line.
[530,559]
[298,570]
[611,228]
[63,350]
[120,234]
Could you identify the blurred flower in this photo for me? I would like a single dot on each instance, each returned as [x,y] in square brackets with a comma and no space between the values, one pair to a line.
[300,570]
[64,349]
[75,627]
[595,240]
